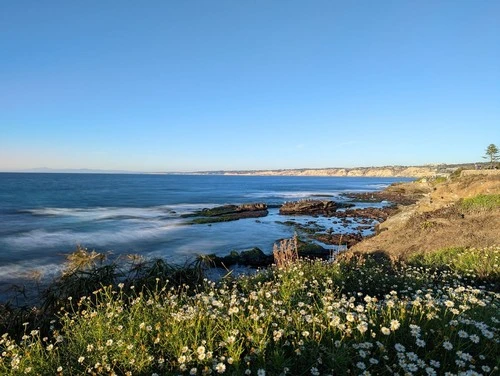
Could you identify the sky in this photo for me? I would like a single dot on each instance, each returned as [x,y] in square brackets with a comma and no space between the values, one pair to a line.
[192,85]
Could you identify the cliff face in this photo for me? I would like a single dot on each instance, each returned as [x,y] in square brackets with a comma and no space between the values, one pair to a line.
[391,171]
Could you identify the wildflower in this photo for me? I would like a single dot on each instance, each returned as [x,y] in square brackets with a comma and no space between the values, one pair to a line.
[449,303]
[399,347]
[59,369]
[220,368]
[486,368]
[395,324]
[462,334]
[362,326]
[314,371]
[81,359]
[361,365]
[385,331]
[420,342]
[487,333]
[412,356]
[261,372]
[474,338]
[248,372]
[460,363]
[193,371]
[412,367]
[430,371]
[435,363]
[233,310]
[415,330]
[447,345]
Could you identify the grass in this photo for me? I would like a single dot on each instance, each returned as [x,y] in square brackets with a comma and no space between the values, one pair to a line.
[360,315]
[481,264]
[481,202]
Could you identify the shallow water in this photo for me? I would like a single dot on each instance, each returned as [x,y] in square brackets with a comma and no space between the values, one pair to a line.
[44,216]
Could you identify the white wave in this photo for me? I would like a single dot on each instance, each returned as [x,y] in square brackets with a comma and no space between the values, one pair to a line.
[99,238]
[378,186]
[103,213]
[30,270]
[292,195]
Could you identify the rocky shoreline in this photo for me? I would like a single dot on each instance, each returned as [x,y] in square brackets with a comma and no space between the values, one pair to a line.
[317,241]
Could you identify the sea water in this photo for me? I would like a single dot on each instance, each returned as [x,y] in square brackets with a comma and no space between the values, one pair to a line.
[45,216]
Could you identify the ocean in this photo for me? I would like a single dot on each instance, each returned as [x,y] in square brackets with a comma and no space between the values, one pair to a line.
[45,216]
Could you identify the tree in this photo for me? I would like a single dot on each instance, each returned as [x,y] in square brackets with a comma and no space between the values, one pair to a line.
[492,153]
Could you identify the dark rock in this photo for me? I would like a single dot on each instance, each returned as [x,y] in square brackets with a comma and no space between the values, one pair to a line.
[253,257]
[227,213]
[339,239]
[312,250]
[378,214]
[309,207]
[400,198]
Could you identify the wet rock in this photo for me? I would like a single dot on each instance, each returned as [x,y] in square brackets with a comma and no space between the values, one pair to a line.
[310,207]
[227,213]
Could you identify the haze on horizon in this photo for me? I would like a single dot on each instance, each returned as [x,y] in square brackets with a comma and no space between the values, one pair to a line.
[229,85]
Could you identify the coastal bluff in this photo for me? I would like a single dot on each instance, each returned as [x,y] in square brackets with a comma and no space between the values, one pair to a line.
[386,171]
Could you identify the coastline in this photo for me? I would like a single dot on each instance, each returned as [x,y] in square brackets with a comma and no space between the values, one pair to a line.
[381,171]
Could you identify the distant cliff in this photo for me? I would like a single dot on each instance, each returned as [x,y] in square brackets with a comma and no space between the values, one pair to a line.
[387,171]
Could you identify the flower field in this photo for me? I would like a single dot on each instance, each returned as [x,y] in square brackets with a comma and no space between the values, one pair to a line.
[359,315]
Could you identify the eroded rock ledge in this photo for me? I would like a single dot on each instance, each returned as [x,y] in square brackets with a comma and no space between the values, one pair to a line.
[312,207]
[227,213]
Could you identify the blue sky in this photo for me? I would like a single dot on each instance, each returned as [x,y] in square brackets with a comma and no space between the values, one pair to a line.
[262,84]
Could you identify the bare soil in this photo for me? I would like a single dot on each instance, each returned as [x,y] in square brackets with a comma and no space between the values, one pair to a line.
[436,220]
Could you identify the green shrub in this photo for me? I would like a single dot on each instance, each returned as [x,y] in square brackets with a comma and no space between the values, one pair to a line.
[481,202]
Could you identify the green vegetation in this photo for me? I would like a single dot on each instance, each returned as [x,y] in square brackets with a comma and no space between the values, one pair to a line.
[362,315]
[481,264]
[481,203]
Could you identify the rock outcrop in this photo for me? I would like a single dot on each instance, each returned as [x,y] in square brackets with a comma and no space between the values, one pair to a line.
[227,213]
[254,258]
[309,207]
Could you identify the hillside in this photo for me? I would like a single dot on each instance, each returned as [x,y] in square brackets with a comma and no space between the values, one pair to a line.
[458,212]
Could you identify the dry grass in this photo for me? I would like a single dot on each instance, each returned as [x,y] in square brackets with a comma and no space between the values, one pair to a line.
[440,220]
[286,252]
